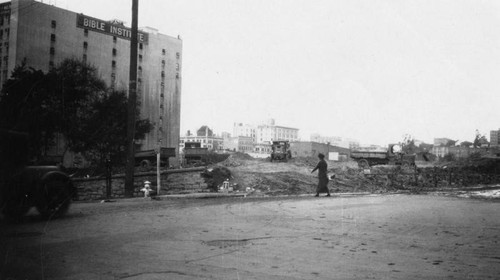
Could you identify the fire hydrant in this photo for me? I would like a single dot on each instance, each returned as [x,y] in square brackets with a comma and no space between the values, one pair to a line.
[225,184]
[147,189]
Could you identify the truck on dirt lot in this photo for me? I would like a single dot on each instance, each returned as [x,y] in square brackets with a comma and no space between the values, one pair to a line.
[280,151]
[194,153]
[393,156]
[147,159]
[22,187]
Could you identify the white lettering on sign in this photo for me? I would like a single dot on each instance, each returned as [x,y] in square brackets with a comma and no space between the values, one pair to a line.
[94,24]
[120,31]
[108,28]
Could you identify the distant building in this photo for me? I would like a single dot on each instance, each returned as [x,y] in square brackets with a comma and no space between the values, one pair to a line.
[265,133]
[225,134]
[247,130]
[457,151]
[446,146]
[442,141]
[440,151]
[212,143]
[269,132]
[204,131]
[242,144]
[494,138]
[205,137]
[335,141]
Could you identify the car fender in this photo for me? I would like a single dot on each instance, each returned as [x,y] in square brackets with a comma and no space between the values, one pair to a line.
[58,175]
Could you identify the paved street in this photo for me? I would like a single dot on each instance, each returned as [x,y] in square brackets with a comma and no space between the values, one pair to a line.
[362,237]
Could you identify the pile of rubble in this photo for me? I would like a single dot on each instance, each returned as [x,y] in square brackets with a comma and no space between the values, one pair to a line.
[236,159]
[294,177]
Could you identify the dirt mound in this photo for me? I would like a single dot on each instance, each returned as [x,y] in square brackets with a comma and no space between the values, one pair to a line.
[274,183]
[237,159]
[241,156]
[294,177]
[263,177]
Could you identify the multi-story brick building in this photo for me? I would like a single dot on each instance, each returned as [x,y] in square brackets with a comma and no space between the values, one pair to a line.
[243,144]
[44,35]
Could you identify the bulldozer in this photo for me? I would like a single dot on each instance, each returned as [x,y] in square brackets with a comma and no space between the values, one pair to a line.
[23,186]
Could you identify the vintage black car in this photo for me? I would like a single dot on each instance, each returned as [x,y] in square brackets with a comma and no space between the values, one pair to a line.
[23,186]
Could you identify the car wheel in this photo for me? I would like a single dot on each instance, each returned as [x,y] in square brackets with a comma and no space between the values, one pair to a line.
[55,199]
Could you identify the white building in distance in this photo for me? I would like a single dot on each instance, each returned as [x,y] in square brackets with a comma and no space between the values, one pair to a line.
[269,132]
[246,130]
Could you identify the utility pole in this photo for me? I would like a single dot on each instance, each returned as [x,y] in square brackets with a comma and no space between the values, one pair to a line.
[132,104]
[160,131]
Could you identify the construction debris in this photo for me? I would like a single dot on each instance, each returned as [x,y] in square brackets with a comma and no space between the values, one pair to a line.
[215,177]
[261,177]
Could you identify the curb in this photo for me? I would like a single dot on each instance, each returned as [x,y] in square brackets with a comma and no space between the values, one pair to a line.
[202,195]
[221,195]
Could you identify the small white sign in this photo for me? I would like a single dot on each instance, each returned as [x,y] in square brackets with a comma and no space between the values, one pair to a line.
[333,156]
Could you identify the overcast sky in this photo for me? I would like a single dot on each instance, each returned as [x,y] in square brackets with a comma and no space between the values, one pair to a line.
[369,70]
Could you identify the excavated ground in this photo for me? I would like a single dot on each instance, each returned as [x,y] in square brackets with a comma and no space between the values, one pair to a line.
[294,177]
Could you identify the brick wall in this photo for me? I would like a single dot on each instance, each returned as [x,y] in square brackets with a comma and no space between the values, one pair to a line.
[311,149]
[173,181]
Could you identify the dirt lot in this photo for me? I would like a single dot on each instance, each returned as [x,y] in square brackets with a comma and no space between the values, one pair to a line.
[300,237]
[264,178]
[368,229]
[288,178]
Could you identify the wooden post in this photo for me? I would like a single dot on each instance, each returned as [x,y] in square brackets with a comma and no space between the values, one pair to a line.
[435,178]
[158,181]
[450,173]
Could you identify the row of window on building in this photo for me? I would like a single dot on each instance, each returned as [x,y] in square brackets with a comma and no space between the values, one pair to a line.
[204,141]
[114,53]
[4,35]
[6,57]
[4,19]
[5,32]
